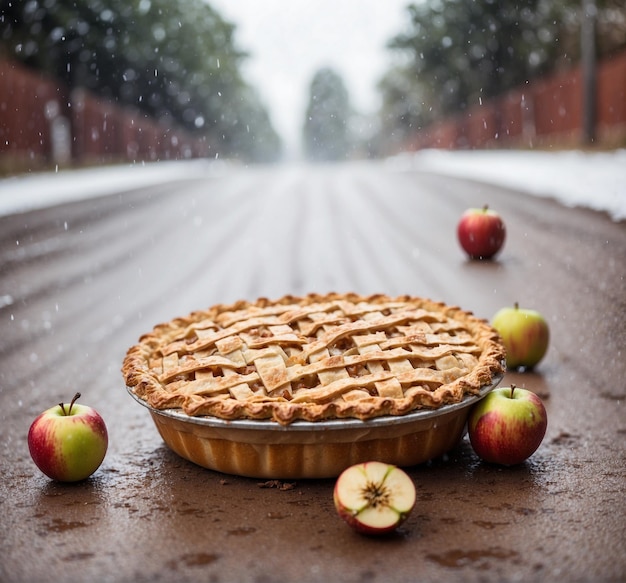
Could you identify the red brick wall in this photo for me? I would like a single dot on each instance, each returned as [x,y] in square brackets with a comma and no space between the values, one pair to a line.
[611,106]
[101,131]
[25,101]
[546,111]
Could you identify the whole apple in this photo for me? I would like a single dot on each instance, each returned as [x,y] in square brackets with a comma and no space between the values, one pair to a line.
[507,426]
[68,442]
[481,232]
[525,335]
[374,497]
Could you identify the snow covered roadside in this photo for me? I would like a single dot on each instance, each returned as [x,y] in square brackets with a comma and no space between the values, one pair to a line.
[574,178]
[33,191]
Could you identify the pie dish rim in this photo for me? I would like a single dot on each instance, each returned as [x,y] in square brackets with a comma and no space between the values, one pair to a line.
[330,424]
[147,387]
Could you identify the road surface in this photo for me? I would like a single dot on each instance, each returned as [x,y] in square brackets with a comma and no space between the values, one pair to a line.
[80,282]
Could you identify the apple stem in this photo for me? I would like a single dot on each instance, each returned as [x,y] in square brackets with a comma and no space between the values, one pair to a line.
[516,305]
[69,412]
[485,208]
[513,387]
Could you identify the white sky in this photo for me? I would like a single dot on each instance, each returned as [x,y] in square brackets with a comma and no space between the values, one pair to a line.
[289,40]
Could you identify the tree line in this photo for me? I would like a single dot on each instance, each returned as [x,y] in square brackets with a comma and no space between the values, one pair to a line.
[175,60]
[453,54]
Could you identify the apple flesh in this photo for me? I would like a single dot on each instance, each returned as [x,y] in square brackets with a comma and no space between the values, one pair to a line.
[68,442]
[525,335]
[507,426]
[481,232]
[374,497]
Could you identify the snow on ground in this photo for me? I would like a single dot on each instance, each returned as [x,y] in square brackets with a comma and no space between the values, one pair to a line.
[574,178]
[594,180]
[39,190]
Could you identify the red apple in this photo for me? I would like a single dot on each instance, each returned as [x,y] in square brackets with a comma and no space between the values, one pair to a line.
[68,442]
[507,426]
[374,497]
[481,232]
[525,335]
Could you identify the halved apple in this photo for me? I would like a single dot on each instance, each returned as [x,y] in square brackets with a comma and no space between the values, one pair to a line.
[374,497]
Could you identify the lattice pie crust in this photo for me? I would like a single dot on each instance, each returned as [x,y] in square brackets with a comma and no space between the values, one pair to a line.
[315,357]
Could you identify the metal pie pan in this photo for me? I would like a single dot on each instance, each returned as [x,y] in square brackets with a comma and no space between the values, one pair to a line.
[303,449]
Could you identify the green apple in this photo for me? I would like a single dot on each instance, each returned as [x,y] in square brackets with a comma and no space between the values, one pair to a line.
[507,426]
[525,334]
[68,442]
[374,497]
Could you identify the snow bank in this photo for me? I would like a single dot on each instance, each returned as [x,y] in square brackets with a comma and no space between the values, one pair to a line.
[33,191]
[574,178]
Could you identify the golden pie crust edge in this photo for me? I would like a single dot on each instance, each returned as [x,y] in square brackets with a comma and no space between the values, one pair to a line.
[145,384]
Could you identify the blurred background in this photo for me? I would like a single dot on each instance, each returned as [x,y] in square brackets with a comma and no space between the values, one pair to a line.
[92,82]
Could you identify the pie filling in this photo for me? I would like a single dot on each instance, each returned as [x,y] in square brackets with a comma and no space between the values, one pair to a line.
[315,357]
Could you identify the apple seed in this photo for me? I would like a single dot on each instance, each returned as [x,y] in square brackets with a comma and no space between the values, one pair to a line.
[376,494]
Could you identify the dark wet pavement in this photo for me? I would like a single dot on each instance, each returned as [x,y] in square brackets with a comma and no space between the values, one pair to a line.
[81,282]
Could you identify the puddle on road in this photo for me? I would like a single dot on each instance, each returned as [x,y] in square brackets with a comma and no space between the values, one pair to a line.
[457,559]
[79,556]
[193,560]
[242,531]
[57,525]
[488,524]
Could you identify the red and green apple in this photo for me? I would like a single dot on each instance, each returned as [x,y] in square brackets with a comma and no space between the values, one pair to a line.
[374,497]
[525,335]
[68,442]
[507,426]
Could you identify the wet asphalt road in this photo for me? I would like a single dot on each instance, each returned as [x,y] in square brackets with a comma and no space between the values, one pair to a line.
[79,283]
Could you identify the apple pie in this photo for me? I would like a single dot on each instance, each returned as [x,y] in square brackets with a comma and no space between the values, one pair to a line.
[315,357]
